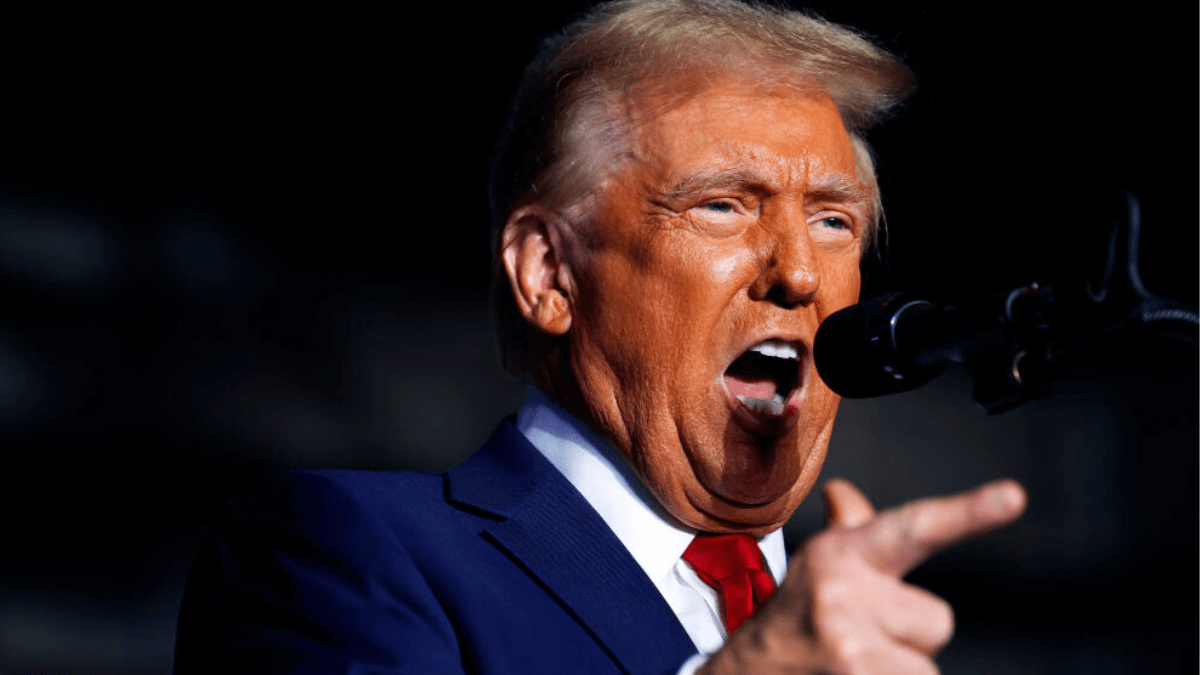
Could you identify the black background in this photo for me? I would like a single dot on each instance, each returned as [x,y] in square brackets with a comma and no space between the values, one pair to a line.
[239,242]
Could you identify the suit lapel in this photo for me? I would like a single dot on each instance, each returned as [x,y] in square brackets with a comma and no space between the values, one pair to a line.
[543,523]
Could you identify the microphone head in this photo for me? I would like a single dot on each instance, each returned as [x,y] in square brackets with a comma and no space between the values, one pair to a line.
[855,349]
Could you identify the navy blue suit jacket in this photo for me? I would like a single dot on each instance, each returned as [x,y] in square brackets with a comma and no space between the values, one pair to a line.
[497,566]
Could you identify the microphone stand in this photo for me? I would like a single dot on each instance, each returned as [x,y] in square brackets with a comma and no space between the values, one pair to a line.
[1013,349]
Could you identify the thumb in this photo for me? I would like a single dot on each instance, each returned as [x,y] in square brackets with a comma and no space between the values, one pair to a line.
[845,505]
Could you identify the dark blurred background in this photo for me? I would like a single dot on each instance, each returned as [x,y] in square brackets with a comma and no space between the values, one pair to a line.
[238,242]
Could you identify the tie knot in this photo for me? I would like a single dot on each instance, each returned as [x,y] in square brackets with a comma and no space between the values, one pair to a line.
[721,556]
[733,565]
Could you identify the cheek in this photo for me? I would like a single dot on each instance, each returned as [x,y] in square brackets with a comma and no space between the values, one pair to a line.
[679,287]
[841,284]
[701,276]
[625,322]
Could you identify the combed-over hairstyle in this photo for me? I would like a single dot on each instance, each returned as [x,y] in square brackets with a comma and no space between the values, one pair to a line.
[572,117]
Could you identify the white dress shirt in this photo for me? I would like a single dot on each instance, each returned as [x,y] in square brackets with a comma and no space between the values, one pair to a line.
[651,535]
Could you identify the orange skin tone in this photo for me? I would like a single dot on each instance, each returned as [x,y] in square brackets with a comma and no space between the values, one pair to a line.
[722,230]
[738,217]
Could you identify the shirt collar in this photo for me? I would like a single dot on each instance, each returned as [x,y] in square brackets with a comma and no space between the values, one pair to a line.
[652,536]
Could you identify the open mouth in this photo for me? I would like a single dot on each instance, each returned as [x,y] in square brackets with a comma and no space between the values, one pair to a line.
[764,376]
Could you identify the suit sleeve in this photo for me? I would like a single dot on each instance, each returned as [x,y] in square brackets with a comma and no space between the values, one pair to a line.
[301,578]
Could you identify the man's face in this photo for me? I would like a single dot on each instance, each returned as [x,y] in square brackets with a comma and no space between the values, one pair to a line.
[732,231]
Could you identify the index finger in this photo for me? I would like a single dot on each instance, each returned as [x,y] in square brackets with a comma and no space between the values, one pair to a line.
[902,538]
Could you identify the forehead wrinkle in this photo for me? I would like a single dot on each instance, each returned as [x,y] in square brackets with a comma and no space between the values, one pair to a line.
[747,166]
[775,174]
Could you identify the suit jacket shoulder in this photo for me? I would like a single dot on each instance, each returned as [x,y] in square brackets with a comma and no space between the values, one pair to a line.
[496,566]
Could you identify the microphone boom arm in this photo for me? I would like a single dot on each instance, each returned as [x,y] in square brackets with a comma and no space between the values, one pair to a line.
[1012,347]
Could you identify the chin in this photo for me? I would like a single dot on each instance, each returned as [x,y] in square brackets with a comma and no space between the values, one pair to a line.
[709,510]
[756,521]
[753,484]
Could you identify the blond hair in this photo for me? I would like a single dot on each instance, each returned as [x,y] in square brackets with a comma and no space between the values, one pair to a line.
[572,117]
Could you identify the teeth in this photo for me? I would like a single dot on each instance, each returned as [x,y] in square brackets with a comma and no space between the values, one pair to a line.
[777,349]
[774,407]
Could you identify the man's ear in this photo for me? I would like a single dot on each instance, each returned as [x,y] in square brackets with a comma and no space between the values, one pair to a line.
[533,257]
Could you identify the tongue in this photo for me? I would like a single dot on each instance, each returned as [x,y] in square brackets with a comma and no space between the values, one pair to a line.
[761,388]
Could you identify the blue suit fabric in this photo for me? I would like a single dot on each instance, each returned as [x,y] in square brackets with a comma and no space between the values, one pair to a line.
[495,567]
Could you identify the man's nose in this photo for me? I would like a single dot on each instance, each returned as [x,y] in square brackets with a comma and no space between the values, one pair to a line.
[790,274]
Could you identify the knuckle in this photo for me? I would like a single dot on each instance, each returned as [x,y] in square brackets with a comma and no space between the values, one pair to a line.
[844,651]
[826,547]
[935,619]
[830,599]
[920,525]
[941,622]
[921,519]
[838,631]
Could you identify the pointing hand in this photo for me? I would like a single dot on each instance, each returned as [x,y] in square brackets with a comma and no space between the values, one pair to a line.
[844,608]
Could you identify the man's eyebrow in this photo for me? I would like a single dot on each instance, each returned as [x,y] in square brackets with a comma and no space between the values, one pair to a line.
[834,187]
[839,188]
[730,179]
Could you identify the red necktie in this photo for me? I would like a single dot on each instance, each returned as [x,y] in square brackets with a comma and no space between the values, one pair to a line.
[732,564]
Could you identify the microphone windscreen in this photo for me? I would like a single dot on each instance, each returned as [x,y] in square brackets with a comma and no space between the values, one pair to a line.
[855,353]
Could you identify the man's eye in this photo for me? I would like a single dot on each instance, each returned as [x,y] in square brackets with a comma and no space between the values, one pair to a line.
[719,207]
[835,223]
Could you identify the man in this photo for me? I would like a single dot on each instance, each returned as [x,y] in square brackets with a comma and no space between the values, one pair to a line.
[683,194]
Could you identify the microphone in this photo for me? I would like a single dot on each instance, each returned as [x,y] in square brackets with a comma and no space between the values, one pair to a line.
[856,350]
[1011,343]
[898,342]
